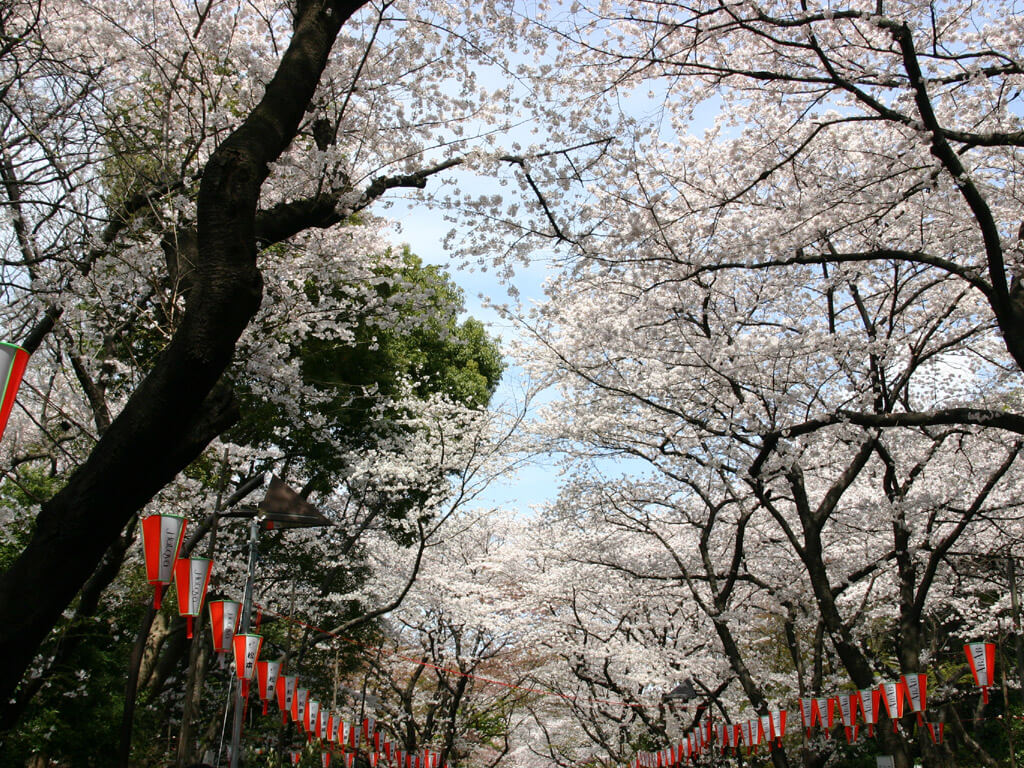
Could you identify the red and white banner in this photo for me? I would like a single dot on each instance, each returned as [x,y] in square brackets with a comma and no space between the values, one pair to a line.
[161,540]
[325,759]
[191,577]
[266,676]
[224,616]
[13,361]
[982,658]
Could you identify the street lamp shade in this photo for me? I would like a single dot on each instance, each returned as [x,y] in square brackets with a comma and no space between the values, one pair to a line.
[682,694]
[282,507]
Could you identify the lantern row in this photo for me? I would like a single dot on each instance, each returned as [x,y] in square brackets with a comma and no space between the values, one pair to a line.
[327,727]
[325,759]
[295,703]
[162,536]
[908,695]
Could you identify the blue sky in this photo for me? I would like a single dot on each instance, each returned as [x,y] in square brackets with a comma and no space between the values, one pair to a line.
[424,230]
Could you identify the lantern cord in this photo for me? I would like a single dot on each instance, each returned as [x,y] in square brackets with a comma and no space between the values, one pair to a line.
[224,725]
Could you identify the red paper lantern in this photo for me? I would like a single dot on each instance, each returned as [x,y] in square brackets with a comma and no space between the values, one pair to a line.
[325,759]
[191,577]
[808,715]
[13,360]
[299,705]
[982,658]
[848,704]
[247,653]
[321,725]
[266,677]
[869,704]
[826,714]
[892,699]
[161,540]
[286,685]
[915,687]
[312,718]
[778,725]
[224,616]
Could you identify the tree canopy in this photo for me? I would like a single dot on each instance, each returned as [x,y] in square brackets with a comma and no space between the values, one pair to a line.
[781,339]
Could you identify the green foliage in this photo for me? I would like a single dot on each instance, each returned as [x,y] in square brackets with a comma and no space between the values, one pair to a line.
[434,350]
[76,715]
[20,493]
[489,724]
[34,483]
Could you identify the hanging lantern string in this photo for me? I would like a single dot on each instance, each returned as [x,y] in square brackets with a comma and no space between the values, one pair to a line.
[450,670]
[367,650]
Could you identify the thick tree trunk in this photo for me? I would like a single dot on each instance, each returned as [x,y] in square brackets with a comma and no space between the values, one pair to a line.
[179,407]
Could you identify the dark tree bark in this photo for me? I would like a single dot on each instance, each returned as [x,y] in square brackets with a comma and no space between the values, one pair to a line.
[181,405]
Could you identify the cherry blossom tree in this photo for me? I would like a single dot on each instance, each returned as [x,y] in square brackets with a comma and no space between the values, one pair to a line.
[447,664]
[171,174]
[795,319]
